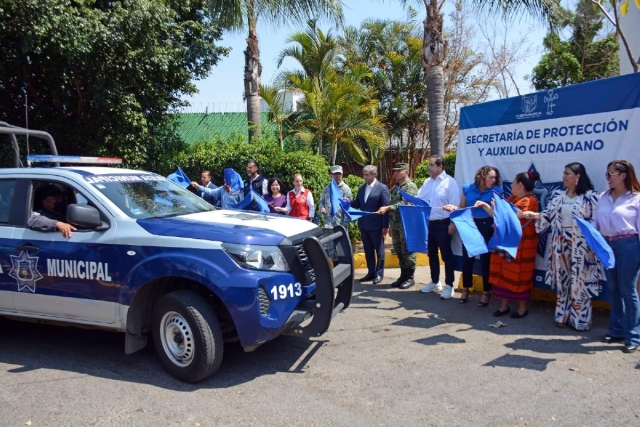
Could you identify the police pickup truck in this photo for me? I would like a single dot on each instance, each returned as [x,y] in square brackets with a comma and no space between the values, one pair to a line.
[151,258]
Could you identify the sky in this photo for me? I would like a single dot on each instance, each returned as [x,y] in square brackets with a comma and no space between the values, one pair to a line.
[222,90]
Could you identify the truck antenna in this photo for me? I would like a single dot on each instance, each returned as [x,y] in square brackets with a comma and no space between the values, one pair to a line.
[26,116]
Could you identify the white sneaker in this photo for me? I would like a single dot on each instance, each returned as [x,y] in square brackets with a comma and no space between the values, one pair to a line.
[431,287]
[448,292]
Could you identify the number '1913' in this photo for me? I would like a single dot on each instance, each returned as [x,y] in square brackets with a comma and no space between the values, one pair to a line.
[284,291]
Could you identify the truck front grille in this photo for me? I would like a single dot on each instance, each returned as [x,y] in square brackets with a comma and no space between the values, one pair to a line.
[306,264]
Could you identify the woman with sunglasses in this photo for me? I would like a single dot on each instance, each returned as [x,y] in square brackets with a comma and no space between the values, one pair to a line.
[574,271]
[617,218]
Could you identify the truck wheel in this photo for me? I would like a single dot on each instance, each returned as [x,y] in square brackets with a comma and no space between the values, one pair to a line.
[187,336]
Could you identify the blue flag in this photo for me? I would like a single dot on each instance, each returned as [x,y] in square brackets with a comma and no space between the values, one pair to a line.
[180,178]
[335,195]
[337,202]
[352,213]
[413,199]
[508,232]
[262,203]
[233,180]
[242,204]
[469,233]
[415,222]
[251,202]
[597,243]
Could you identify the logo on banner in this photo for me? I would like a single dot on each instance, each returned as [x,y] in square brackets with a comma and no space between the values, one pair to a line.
[549,100]
[543,192]
[528,105]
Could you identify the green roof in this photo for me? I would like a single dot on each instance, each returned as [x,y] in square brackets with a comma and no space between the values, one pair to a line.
[193,127]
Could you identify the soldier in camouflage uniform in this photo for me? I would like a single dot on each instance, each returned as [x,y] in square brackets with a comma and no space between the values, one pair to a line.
[325,208]
[407,259]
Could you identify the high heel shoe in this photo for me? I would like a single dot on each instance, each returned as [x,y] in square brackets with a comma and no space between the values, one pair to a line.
[484,303]
[464,297]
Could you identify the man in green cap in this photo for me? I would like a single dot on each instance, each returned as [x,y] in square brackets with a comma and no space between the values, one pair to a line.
[407,259]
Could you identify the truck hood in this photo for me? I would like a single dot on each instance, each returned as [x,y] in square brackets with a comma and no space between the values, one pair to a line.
[230,226]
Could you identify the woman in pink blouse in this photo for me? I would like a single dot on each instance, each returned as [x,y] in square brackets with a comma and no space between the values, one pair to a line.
[617,217]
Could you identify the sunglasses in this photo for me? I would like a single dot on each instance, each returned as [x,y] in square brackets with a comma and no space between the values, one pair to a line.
[609,174]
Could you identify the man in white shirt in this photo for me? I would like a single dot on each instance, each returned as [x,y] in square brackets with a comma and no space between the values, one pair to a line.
[439,190]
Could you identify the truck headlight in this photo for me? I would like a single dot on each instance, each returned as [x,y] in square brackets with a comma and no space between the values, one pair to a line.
[257,257]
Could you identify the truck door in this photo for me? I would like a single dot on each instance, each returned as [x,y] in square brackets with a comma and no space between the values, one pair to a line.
[67,278]
[7,247]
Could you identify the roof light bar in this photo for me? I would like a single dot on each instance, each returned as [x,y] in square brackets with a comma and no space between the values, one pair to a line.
[50,158]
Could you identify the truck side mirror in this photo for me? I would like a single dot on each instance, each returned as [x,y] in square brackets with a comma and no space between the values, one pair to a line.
[85,216]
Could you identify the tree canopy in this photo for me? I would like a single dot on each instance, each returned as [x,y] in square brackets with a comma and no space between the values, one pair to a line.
[585,55]
[101,76]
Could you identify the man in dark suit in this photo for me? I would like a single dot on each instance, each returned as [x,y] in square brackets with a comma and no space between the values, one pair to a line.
[372,195]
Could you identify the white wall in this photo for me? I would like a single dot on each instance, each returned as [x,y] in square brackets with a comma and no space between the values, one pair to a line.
[630,25]
[291,100]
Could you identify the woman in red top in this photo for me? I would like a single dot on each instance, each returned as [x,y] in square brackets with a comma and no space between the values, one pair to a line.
[300,200]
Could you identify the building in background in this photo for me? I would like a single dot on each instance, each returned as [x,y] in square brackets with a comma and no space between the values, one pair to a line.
[291,101]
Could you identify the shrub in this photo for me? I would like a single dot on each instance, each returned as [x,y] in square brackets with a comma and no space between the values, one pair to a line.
[354,182]
[236,153]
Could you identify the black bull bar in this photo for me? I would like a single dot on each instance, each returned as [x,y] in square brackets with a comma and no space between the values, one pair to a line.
[334,287]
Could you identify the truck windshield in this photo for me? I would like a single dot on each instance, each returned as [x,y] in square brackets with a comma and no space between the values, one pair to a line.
[152,198]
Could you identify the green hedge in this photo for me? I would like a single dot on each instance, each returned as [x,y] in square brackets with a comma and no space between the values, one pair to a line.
[217,155]
[236,153]
[354,182]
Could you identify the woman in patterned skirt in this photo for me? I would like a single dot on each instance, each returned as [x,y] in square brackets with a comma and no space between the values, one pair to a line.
[512,278]
[574,270]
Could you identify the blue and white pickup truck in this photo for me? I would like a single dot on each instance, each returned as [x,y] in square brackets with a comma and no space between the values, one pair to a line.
[150,258]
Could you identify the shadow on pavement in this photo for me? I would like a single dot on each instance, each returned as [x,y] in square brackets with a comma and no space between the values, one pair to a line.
[441,339]
[429,311]
[31,347]
[520,362]
[551,346]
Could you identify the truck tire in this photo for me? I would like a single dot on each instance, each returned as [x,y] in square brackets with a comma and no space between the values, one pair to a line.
[187,336]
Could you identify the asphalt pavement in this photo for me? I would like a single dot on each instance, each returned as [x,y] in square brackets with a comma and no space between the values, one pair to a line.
[395,357]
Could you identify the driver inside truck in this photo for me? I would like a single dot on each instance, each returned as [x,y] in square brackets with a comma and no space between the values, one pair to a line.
[52,214]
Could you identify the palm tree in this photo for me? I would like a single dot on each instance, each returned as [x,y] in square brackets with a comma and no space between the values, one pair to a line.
[274,98]
[311,48]
[244,14]
[434,48]
[340,107]
[393,51]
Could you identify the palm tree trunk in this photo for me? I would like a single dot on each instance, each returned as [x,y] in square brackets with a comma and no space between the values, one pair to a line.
[252,73]
[334,152]
[435,95]
[433,52]
[320,137]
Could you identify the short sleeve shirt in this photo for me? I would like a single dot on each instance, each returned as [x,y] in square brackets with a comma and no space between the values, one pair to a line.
[473,194]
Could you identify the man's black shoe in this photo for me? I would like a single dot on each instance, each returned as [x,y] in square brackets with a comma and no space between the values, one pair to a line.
[630,348]
[367,278]
[401,279]
[377,280]
[407,283]
[608,339]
